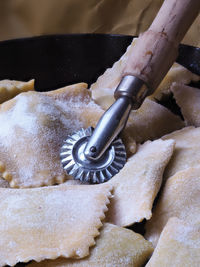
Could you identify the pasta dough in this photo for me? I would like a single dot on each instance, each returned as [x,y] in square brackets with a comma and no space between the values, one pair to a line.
[180,198]
[187,150]
[151,121]
[137,184]
[10,88]
[49,222]
[115,246]
[176,74]
[178,246]
[35,125]
[188,98]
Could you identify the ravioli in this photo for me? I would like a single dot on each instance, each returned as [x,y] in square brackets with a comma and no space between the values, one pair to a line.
[180,198]
[11,88]
[178,246]
[49,222]
[176,74]
[186,152]
[188,99]
[115,246]
[34,127]
[137,184]
[151,121]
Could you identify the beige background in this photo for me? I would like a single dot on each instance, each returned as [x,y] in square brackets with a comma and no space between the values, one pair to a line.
[20,18]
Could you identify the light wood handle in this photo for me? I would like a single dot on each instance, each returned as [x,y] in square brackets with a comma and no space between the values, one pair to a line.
[157,48]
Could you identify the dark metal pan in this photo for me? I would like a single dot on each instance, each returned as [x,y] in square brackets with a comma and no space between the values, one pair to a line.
[57,60]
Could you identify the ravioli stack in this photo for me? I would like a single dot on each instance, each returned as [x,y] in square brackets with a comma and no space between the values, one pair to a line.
[56,221]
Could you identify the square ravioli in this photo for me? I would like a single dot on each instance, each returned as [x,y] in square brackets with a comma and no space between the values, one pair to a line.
[151,121]
[186,152]
[49,222]
[188,99]
[178,246]
[137,184]
[176,74]
[116,247]
[34,127]
[180,198]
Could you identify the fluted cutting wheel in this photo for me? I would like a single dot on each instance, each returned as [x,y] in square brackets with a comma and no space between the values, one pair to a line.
[77,165]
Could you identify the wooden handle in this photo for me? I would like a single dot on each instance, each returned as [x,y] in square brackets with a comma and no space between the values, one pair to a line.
[157,48]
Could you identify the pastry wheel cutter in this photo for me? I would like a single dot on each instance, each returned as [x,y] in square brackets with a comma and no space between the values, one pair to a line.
[96,155]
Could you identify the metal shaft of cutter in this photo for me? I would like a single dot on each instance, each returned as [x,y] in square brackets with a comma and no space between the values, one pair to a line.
[129,94]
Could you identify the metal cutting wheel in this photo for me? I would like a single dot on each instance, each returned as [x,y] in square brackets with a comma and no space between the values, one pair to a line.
[76,164]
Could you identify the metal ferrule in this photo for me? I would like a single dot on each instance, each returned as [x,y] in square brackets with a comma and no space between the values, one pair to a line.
[130,94]
[109,126]
[134,88]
